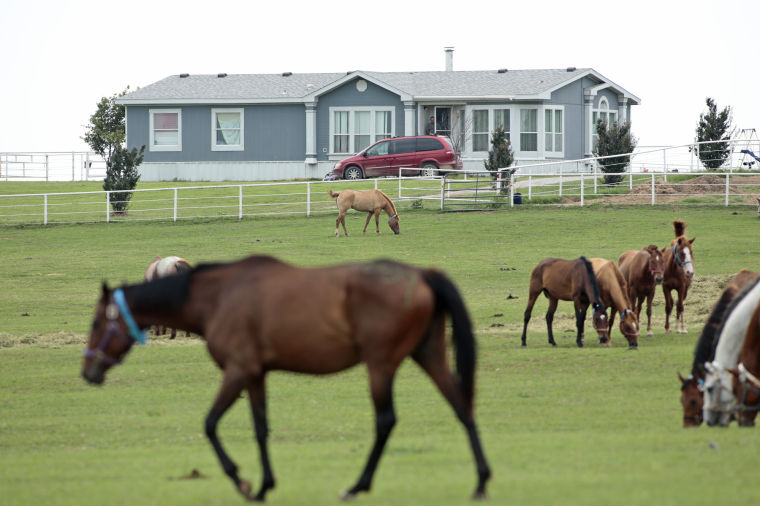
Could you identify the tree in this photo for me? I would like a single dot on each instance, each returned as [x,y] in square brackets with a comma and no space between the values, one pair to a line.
[615,139]
[500,156]
[106,135]
[714,126]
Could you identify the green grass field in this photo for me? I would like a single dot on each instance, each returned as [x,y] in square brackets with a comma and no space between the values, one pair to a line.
[560,426]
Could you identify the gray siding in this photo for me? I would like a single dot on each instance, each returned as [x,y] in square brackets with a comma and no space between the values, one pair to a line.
[272,133]
[348,96]
[571,96]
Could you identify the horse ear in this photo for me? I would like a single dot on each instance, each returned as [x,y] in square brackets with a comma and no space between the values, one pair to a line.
[104,290]
[691,241]
[683,380]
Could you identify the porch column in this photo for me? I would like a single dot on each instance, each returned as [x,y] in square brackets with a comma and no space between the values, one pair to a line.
[622,109]
[588,105]
[409,119]
[311,133]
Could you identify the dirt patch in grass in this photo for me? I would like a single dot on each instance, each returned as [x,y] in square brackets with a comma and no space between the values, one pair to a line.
[666,192]
[60,339]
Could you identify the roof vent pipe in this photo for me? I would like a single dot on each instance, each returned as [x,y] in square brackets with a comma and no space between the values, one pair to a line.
[449,58]
[502,71]
[571,69]
[287,74]
[184,75]
[222,74]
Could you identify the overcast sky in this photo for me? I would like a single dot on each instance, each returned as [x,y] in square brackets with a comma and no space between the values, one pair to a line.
[58,57]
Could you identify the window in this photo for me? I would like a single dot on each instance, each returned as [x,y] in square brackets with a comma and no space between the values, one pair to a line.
[227,129]
[353,129]
[403,146]
[165,129]
[501,118]
[379,149]
[553,128]
[480,131]
[528,129]
[428,144]
[602,113]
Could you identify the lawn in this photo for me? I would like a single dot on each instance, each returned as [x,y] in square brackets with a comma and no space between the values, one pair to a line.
[559,426]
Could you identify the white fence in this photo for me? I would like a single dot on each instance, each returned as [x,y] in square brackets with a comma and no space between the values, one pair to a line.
[61,166]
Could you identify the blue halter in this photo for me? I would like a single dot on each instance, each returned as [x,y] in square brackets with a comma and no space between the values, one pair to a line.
[679,262]
[141,336]
[391,218]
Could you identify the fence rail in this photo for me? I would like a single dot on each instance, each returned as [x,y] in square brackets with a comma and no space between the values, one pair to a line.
[52,166]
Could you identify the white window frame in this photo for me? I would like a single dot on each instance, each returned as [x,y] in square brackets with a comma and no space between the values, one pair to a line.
[518,135]
[553,132]
[151,131]
[491,111]
[603,108]
[351,125]
[227,147]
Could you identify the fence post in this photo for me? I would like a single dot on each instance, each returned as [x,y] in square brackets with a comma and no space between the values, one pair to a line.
[443,192]
[630,179]
[375,183]
[652,188]
[560,181]
[108,206]
[511,194]
[240,202]
[45,208]
[582,183]
[175,205]
[308,198]
[594,173]
[399,183]
[73,167]
[727,176]
[530,187]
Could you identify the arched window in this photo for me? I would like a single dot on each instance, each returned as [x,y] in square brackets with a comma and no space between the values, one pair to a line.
[602,112]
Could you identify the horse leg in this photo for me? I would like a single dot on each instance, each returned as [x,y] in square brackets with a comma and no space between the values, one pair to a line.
[431,356]
[257,398]
[650,296]
[381,387]
[174,334]
[680,323]
[369,217]
[377,221]
[610,325]
[232,385]
[580,320]
[668,308]
[526,316]
[550,319]
[341,220]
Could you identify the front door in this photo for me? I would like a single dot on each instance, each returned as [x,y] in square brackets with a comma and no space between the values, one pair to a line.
[443,121]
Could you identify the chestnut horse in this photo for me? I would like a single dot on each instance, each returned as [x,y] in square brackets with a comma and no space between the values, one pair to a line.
[615,295]
[567,280]
[692,386]
[259,314]
[160,268]
[718,397]
[679,271]
[369,201]
[643,270]
[746,376]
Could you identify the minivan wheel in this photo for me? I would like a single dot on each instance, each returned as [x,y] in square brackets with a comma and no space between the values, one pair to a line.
[352,172]
[429,170]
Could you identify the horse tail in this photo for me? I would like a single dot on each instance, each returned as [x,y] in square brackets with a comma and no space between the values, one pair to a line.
[680,227]
[594,283]
[332,194]
[449,300]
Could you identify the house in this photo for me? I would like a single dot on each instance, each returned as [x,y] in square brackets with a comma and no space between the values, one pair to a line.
[290,125]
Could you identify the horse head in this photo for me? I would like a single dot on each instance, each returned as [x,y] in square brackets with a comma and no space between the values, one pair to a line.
[691,400]
[683,255]
[718,397]
[629,327]
[112,335]
[746,389]
[656,263]
[393,222]
[601,323]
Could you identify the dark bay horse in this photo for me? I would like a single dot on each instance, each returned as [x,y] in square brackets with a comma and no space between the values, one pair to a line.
[692,386]
[160,268]
[643,270]
[614,294]
[679,271]
[746,376]
[259,314]
[369,201]
[567,280]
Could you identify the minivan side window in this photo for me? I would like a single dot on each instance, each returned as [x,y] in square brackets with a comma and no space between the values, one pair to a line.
[429,144]
[402,146]
[380,149]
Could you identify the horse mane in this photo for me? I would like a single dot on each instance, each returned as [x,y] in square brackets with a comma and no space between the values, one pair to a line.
[168,292]
[708,339]
[393,207]
[652,248]
[680,227]
[732,305]
[592,279]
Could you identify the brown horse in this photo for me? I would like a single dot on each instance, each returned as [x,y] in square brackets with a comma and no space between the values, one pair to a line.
[643,270]
[679,271]
[567,280]
[615,295]
[260,314]
[369,201]
[160,268]
[746,376]
[692,397]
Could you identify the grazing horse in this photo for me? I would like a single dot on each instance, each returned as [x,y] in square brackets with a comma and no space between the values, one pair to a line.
[160,268]
[259,314]
[567,280]
[693,385]
[643,270]
[369,201]
[746,376]
[679,271]
[717,407]
[615,295]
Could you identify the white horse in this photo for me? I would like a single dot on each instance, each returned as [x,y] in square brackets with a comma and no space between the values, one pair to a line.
[160,268]
[717,408]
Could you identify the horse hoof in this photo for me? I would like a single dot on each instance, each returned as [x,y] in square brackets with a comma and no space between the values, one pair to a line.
[245,488]
[347,496]
[523,345]
[650,334]
[479,495]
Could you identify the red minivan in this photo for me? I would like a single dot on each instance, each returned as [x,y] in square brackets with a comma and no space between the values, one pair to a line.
[430,154]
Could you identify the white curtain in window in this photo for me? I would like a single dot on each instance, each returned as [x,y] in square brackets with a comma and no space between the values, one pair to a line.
[480,130]
[361,130]
[340,129]
[228,128]
[382,125]
[165,129]
[528,130]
